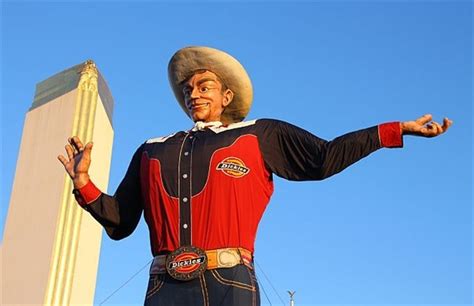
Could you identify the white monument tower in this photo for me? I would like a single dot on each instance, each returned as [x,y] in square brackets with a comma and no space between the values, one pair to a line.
[50,247]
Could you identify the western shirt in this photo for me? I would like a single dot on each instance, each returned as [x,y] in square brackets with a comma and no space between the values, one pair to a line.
[209,186]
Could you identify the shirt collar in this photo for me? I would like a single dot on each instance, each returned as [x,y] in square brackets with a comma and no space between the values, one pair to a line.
[200,125]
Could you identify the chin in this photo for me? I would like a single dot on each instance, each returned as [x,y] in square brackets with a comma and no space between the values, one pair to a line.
[198,117]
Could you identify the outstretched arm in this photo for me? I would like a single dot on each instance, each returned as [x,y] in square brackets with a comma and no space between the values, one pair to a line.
[296,154]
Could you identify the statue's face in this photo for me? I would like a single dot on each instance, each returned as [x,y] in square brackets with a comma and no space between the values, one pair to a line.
[204,97]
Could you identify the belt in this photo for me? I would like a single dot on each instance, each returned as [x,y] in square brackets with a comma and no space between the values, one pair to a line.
[219,258]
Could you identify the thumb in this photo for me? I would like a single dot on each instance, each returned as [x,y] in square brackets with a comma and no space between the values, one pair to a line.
[88,148]
[424,119]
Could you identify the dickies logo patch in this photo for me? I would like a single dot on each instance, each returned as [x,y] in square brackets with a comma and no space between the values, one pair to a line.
[233,166]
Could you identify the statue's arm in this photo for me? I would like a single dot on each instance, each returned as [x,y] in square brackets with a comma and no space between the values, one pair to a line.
[120,213]
[295,154]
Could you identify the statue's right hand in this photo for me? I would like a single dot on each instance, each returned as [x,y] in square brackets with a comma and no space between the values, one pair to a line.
[78,161]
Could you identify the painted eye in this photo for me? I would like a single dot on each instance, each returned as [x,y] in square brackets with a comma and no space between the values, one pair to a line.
[203,89]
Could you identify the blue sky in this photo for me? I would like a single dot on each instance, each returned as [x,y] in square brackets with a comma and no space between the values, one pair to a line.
[395,228]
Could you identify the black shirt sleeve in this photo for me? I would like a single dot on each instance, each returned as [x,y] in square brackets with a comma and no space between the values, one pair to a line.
[120,214]
[295,154]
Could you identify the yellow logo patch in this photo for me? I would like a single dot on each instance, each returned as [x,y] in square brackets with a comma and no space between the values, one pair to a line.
[233,166]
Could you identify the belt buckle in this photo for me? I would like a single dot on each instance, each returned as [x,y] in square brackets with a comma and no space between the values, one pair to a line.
[228,258]
[186,263]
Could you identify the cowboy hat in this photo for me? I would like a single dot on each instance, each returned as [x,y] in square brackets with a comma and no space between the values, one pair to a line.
[185,62]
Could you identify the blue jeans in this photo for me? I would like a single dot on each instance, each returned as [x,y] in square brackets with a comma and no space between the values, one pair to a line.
[235,286]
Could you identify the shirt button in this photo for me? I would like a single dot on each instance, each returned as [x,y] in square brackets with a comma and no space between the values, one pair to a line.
[185,199]
[191,137]
[186,153]
[185,176]
[185,226]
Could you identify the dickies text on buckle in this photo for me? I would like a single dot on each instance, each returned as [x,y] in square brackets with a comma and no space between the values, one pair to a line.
[186,263]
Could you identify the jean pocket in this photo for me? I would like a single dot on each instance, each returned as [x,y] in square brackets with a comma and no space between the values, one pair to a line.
[154,284]
[238,277]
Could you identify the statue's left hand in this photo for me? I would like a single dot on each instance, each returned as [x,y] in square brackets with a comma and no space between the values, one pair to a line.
[425,127]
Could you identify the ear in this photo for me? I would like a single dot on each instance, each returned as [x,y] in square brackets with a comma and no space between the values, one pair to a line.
[228,96]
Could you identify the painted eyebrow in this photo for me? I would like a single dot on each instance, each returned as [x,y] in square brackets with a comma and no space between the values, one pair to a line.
[205,80]
[186,86]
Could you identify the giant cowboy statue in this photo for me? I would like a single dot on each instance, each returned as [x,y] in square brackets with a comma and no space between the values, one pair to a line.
[203,191]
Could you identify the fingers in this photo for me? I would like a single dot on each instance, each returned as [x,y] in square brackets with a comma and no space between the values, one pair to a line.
[69,151]
[89,146]
[87,150]
[433,128]
[424,126]
[74,148]
[446,124]
[66,164]
[76,143]
[437,129]
[63,160]
[424,119]
[78,159]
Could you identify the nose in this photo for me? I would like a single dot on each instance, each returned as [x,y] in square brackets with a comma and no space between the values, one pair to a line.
[194,93]
[191,96]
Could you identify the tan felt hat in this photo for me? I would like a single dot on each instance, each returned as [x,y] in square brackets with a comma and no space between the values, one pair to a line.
[190,59]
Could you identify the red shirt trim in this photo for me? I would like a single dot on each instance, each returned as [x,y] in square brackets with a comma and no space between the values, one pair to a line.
[87,194]
[390,135]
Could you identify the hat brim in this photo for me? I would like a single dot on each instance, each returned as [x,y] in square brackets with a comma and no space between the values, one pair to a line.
[190,59]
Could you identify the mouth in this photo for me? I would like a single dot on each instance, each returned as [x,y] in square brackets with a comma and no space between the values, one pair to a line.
[195,107]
